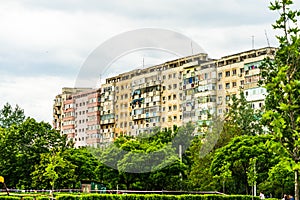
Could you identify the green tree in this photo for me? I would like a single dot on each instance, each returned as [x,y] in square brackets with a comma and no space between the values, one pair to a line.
[86,165]
[199,176]
[21,146]
[281,78]
[280,179]
[53,171]
[146,162]
[242,119]
[10,116]
[236,157]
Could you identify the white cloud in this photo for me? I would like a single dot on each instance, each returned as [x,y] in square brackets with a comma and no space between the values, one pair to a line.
[44,43]
[33,94]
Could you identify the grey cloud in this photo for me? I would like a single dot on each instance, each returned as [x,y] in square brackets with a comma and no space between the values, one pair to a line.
[205,13]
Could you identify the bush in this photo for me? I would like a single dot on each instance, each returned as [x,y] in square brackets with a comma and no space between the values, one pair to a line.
[153,197]
[9,198]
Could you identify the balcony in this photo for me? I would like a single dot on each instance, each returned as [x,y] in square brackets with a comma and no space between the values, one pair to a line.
[250,85]
[107,121]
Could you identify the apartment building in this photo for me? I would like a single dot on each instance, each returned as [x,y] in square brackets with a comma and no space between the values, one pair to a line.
[199,97]
[240,72]
[78,109]
[193,88]
[58,106]
[147,98]
[93,132]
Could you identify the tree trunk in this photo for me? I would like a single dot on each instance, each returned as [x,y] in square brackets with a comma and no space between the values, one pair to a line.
[296,185]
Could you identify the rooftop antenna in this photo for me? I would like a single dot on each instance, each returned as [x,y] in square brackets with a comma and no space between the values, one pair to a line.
[143,62]
[252,41]
[267,38]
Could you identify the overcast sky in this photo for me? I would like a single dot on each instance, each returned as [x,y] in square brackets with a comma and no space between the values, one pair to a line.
[43,44]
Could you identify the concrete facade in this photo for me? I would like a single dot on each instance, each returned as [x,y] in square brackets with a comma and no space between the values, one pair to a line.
[58,105]
[193,88]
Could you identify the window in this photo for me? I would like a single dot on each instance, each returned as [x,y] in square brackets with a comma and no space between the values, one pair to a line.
[227,97]
[174,86]
[227,73]
[174,96]
[220,86]
[234,72]
[242,82]
[227,85]
[220,98]
[169,97]
[206,76]
[233,84]
[220,75]
[174,107]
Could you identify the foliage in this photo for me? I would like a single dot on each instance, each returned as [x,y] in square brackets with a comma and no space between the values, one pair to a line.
[21,146]
[9,198]
[281,78]
[10,116]
[154,197]
[242,119]
[199,176]
[53,170]
[280,179]
[156,155]
[236,156]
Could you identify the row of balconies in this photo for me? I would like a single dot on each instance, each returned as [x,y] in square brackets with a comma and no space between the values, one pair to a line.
[107,121]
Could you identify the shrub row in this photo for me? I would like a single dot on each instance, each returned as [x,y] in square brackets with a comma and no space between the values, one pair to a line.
[153,197]
[18,197]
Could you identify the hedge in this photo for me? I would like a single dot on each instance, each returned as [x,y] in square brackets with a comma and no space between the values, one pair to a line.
[153,197]
[9,198]
[18,197]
